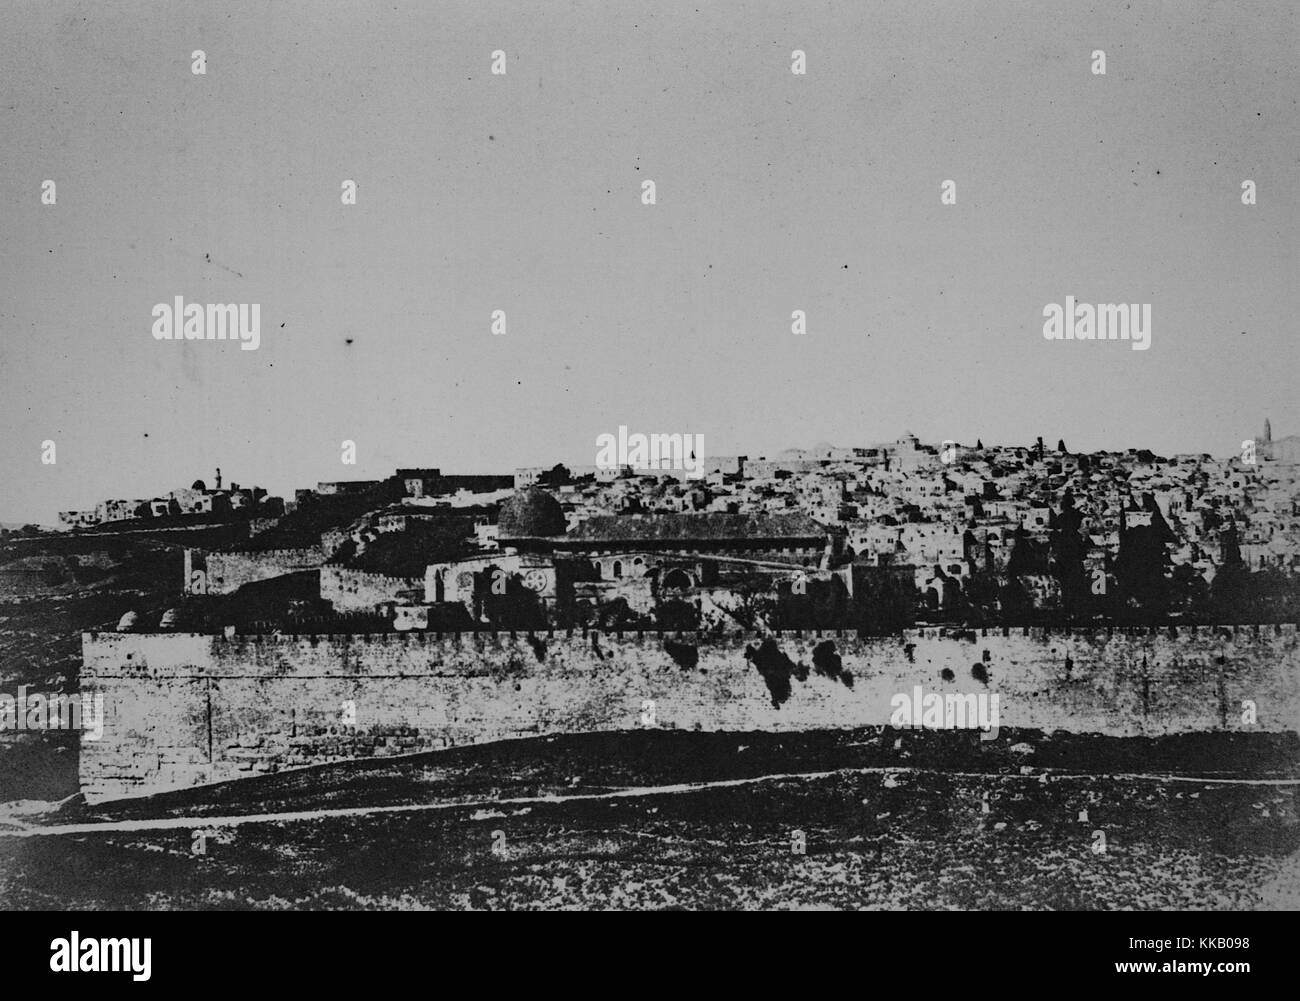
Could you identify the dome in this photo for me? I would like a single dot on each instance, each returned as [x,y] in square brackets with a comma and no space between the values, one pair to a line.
[128,622]
[530,513]
[170,619]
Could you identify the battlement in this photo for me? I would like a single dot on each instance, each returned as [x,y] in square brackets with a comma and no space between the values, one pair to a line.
[185,709]
[353,590]
[1092,634]
[371,575]
[302,552]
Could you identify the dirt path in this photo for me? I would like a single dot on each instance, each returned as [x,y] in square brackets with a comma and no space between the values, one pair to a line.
[17,829]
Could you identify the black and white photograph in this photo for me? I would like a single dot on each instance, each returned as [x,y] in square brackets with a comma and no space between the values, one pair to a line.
[633,456]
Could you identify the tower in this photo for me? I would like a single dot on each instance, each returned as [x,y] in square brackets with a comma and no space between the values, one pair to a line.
[218,486]
[1268,431]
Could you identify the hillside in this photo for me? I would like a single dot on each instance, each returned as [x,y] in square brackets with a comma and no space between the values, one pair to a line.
[53,588]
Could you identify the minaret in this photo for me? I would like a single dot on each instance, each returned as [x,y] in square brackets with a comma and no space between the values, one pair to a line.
[1268,431]
[218,486]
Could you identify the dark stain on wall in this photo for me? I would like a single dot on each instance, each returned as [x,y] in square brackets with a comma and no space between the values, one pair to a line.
[685,655]
[828,663]
[776,669]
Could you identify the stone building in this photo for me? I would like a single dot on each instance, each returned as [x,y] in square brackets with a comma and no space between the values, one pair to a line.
[782,538]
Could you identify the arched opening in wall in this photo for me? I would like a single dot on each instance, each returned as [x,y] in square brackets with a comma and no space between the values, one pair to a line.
[677,578]
[932,598]
[595,565]
[617,569]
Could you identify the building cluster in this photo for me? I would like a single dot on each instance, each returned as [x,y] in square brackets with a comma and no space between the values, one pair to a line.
[197,499]
[949,512]
[820,536]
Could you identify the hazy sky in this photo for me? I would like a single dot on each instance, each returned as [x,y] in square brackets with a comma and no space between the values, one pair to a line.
[521,192]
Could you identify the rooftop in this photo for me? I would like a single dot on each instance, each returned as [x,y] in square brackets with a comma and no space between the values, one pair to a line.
[712,526]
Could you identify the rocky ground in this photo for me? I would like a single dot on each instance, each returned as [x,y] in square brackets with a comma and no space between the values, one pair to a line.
[503,827]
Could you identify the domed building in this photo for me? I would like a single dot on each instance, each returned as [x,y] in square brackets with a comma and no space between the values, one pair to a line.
[531,513]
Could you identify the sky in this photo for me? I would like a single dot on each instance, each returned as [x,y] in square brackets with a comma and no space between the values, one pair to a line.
[522,192]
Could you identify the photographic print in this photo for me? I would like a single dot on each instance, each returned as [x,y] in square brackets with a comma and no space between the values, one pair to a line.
[753,456]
